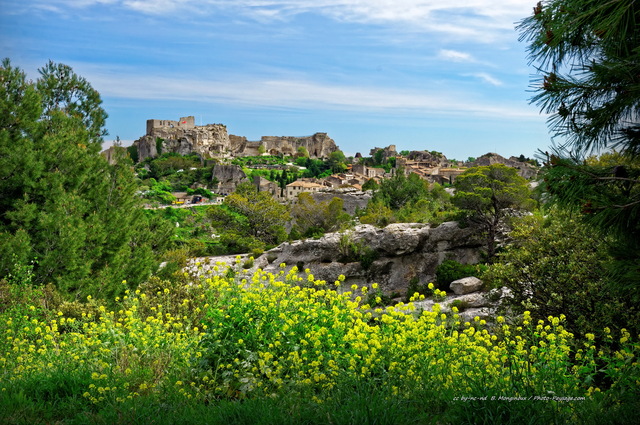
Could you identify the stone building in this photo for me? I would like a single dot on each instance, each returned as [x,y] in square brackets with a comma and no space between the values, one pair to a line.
[367,172]
[184,123]
[299,186]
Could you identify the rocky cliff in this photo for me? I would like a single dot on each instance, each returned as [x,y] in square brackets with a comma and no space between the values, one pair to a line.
[392,256]
[208,141]
[228,177]
[352,199]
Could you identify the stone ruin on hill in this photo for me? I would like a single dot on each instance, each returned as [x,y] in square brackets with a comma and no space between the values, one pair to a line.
[212,140]
[525,170]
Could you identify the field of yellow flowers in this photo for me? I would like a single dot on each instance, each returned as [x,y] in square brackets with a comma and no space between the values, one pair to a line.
[289,348]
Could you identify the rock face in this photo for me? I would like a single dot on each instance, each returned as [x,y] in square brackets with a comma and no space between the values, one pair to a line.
[212,140]
[113,153]
[352,198]
[434,159]
[391,257]
[480,304]
[228,177]
[318,145]
[525,170]
[182,137]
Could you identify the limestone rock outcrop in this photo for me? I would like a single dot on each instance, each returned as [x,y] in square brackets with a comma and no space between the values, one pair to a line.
[182,137]
[392,256]
[475,304]
[319,145]
[466,285]
[352,198]
[228,178]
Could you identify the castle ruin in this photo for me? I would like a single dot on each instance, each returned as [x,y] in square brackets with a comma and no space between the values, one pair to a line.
[184,123]
[213,141]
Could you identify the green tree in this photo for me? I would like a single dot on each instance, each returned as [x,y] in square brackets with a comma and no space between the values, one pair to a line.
[312,218]
[400,190]
[378,157]
[378,214]
[62,206]
[265,216]
[588,56]
[337,162]
[486,194]
[370,184]
[555,266]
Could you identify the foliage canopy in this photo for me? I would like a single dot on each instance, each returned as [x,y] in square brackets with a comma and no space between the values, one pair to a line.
[588,54]
[486,193]
[63,208]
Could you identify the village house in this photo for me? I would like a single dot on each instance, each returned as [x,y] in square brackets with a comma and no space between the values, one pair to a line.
[264,185]
[368,172]
[299,186]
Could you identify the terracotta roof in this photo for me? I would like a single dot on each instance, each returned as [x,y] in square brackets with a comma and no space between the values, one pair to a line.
[299,183]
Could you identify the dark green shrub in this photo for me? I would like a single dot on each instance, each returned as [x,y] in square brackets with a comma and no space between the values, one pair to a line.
[451,270]
[459,304]
[556,266]
[376,298]
[200,191]
[367,256]
[416,286]
[314,232]
[351,252]
[248,263]
[174,261]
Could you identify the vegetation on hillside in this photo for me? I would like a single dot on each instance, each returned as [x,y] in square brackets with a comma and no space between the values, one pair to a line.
[488,195]
[408,199]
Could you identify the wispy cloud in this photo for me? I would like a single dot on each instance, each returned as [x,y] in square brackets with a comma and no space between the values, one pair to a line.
[300,94]
[155,7]
[478,19]
[455,56]
[487,78]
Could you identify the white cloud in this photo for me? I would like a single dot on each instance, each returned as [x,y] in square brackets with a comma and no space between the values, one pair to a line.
[477,19]
[299,94]
[455,56]
[155,7]
[487,78]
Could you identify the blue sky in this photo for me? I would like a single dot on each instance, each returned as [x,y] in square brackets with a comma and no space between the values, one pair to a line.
[436,75]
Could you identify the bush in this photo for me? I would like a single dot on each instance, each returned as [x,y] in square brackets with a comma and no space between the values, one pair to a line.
[555,266]
[450,270]
[351,251]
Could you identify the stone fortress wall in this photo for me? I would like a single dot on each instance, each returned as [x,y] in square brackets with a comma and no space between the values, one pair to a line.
[184,123]
[212,140]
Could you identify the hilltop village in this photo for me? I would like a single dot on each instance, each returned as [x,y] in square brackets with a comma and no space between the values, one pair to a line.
[213,144]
